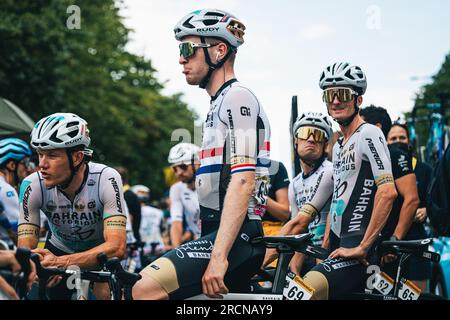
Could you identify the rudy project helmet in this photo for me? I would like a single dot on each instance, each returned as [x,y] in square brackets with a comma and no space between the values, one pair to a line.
[13,149]
[314,119]
[186,153]
[343,74]
[211,23]
[60,130]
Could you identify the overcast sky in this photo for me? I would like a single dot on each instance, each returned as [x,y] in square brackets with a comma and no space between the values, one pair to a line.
[288,43]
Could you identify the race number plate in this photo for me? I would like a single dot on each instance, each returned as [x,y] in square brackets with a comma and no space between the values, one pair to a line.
[383,283]
[296,288]
[408,290]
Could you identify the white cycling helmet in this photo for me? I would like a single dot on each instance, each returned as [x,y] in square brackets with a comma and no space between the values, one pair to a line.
[60,130]
[211,23]
[343,74]
[314,119]
[142,192]
[186,153]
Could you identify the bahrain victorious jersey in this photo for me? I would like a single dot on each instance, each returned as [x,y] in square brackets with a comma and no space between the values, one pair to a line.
[360,166]
[236,138]
[76,225]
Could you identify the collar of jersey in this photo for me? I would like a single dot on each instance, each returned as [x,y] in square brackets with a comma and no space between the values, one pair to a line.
[226,84]
[341,139]
[86,173]
[315,168]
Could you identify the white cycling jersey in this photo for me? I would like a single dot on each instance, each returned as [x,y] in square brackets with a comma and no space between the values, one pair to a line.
[185,207]
[360,166]
[9,210]
[150,228]
[310,195]
[236,138]
[76,225]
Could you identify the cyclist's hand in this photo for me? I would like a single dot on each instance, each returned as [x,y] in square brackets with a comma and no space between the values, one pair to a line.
[47,258]
[8,290]
[8,259]
[271,255]
[350,253]
[212,282]
[421,215]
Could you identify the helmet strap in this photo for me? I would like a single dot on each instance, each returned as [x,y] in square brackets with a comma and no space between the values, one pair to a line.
[314,164]
[212,67]
[73,170]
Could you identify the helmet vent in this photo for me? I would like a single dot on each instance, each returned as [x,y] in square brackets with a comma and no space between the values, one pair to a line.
[213,13]
[187,24]
[210,22]
[54,138]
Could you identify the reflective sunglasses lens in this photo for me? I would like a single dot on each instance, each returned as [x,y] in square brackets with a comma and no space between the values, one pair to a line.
[343,95]
[187,50]
[305,132]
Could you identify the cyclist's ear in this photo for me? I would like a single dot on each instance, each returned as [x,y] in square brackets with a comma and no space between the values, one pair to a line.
[11,165]
[359,100]
[77,157]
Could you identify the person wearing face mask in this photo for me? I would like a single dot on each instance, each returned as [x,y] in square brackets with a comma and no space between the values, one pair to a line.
[419,269]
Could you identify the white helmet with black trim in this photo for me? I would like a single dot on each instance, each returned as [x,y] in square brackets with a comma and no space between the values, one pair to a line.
[184,153]
[343,74]
[314,119]
[60,130]
[142,192]
[211,23]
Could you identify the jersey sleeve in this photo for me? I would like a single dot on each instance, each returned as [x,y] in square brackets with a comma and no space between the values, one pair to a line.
[176,206]
[401,163]
[291,197]
[239,111]
[30,201]
[111,195]
[4,222]
[373,148]
[10,201]
[322,193]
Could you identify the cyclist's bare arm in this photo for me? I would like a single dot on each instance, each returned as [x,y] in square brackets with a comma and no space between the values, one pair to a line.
[326,236]
[295,226]
[279,208]
[114,246]
[235,208]
[176,233]
[407,188]
[240,189]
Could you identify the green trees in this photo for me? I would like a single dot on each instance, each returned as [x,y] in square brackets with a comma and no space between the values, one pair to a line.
[46,66]
[438,91]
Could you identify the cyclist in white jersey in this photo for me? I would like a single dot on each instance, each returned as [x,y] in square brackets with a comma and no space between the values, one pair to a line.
[364,188]
[83,201]
[14,165]
[232,180]
[151,222]
[184,208]
[310,191]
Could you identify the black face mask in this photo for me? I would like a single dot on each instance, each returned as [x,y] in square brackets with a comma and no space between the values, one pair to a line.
[402,146]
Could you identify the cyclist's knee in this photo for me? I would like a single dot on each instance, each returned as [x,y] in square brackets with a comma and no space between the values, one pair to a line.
[158,280]
[319,282]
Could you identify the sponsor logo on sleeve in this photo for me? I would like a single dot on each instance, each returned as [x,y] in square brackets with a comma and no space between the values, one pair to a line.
[26,196]
[375,154]
[117,191]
